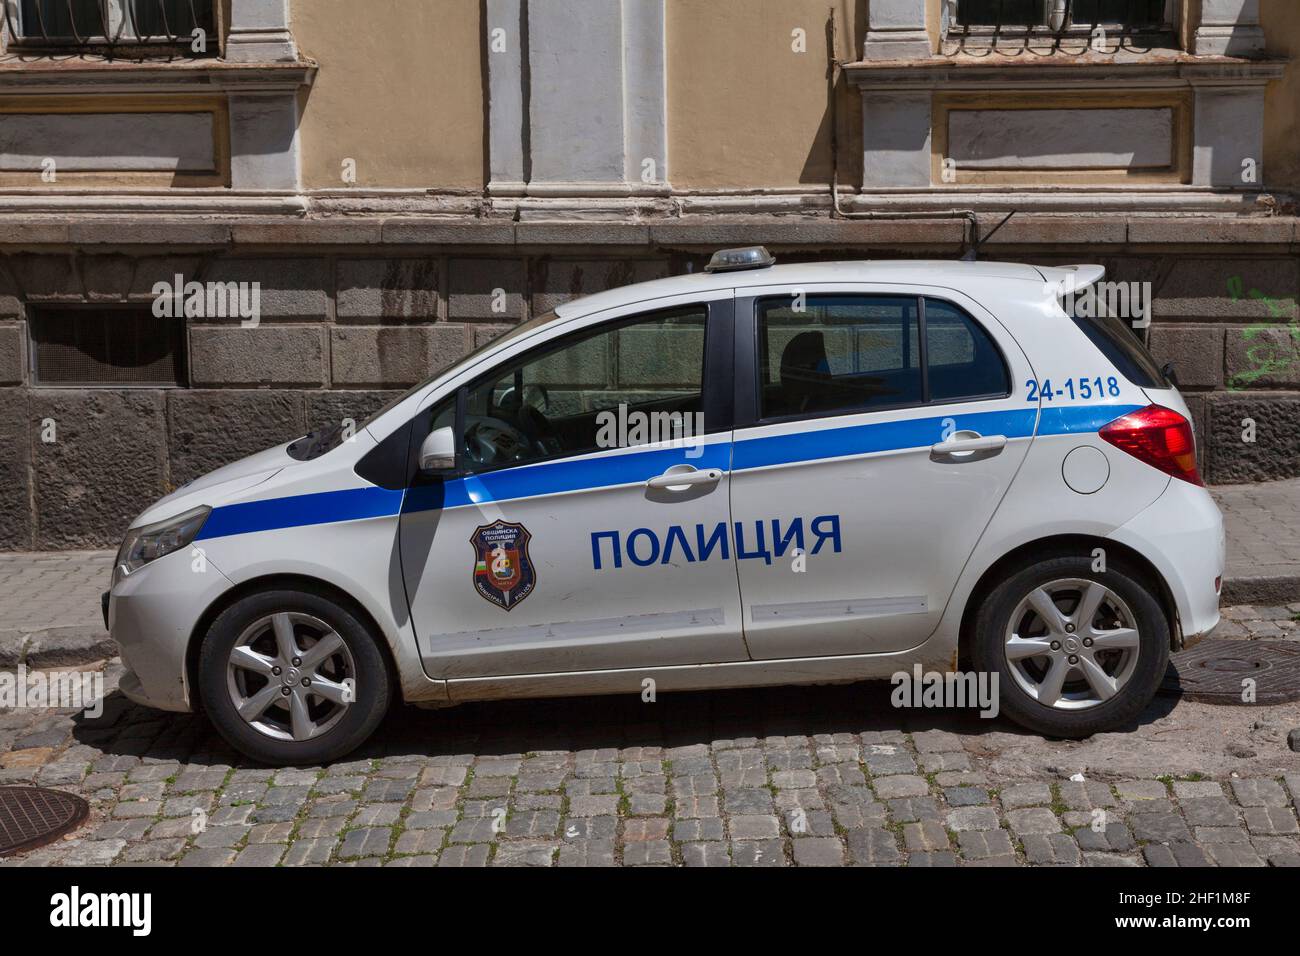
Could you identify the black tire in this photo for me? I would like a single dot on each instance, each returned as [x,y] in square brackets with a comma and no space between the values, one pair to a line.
[373,682]
[1121,710]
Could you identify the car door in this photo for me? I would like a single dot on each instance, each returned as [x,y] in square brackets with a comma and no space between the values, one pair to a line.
[557,544]
[877,432]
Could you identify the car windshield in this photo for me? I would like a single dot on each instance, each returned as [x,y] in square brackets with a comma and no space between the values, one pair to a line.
[329,436]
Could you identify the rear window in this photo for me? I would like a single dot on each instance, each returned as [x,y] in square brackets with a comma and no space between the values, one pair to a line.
[1120,344]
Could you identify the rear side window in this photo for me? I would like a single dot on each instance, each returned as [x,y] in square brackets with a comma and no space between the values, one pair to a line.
[962,360]
[1123,349]
[838,354]
[831,354]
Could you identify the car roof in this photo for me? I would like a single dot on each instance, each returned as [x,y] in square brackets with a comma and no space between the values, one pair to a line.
[945,272]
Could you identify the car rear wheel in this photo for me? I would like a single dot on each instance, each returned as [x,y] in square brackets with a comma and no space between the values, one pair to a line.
[292,677]
[1076,651]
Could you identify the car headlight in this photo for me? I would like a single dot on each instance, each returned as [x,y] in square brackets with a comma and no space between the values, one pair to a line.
[152,541]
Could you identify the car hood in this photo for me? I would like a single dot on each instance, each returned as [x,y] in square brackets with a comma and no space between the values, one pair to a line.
[216,486]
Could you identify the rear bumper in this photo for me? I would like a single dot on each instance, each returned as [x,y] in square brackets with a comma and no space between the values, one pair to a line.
[1181,533]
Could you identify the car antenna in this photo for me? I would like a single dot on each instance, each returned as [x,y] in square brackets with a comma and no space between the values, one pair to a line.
[972,254]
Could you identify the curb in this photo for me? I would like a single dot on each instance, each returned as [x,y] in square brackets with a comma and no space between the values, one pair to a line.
[1261,590]
[56,647]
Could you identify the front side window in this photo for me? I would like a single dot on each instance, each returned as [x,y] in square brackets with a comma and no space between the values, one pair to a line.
[833,354]
[629,383]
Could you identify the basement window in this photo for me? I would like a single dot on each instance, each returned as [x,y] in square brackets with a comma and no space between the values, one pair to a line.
[106,346]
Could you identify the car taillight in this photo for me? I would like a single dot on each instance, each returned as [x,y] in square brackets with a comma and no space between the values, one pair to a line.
[1158,436]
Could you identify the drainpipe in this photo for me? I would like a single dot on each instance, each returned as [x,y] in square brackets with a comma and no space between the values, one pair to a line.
[836,211]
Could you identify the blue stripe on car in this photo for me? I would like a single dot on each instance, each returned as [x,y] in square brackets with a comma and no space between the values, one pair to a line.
[556,477]
[325,507]
[549,478]
[867,439]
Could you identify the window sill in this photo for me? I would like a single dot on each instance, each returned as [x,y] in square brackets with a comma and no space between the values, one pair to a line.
[1067,46]
[80,72]
[964,71]
[124,49]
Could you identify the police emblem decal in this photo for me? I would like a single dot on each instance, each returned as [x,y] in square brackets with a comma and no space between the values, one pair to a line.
[503,571]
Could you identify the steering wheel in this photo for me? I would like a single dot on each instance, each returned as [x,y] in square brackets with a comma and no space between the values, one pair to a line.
[539,430]
[533,390]
[494,441]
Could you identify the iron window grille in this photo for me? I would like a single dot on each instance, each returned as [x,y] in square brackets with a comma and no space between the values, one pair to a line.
[1067,26]
[106,346]
[175,27]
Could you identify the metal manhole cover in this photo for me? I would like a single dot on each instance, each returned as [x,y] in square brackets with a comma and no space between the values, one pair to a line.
[1214,670]
[33,816]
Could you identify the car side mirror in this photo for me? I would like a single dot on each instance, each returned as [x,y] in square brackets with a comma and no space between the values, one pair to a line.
[438,450]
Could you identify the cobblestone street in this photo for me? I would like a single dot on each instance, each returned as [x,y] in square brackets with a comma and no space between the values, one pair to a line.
[795,776]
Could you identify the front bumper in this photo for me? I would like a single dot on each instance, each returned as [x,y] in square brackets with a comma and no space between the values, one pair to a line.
[151,614]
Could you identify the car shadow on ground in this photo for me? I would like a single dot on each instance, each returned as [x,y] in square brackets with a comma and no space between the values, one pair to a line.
[496,728]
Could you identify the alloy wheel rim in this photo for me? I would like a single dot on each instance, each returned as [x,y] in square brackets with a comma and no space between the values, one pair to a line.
[291,676]
[1072,644]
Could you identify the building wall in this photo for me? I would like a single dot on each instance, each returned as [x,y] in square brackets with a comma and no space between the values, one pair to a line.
[1281,20]
[745,109]
[399,90]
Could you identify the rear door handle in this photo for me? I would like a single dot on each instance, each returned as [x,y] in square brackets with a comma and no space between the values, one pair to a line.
[965,443]
[681,477]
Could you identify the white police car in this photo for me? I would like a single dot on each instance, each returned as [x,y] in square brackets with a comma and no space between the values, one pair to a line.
[753,475]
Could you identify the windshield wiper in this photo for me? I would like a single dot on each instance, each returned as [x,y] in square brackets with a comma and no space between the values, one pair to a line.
[315,443]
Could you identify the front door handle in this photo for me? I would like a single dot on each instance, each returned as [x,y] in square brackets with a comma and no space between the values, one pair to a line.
[965,444]
[681,477]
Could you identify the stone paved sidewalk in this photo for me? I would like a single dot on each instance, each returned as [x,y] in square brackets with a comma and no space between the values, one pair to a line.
[1263,526]
[817,776]
[45,589]
[50,609]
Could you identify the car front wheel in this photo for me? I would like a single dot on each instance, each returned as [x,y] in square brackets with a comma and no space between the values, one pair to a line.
[292,677]
[1076,651]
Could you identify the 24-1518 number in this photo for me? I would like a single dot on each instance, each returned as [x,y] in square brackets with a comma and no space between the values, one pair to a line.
[1073,388]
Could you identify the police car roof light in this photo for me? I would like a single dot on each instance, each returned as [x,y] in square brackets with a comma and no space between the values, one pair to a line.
[746,257]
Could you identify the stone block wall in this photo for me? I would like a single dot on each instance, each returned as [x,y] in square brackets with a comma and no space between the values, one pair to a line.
[341,333]
[338,337]
[1231,328]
